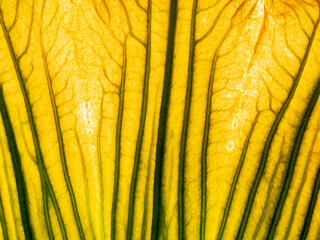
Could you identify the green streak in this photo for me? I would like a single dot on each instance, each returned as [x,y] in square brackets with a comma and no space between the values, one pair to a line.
[86,186]
[41,166]
[137,154]
[17,168]
[184,133]
[118,147]
[205,143]
[161,138]
[235,179]
[46,210]
[101,171]
[312,204]
[11,192]
[3,221]
[61,148]
[204,157]
[269,194]
[298,195]
[149,174]
[267,146]
[292,163]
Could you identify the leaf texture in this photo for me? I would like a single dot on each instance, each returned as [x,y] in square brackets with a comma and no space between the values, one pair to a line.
[151,119]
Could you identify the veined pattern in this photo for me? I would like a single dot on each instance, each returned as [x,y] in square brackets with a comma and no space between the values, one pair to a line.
[159,119]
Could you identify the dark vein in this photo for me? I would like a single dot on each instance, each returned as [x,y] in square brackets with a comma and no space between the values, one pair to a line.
[62,151]
[312,204]
[56,207]
[29,35]
[46,210]
[271,187]
[184,132]
[118,145]
[208,7]
[292,162]
[297,17]
[297,197]
[235,179]
[15,16]
[141,126]
[46,185]
[267,146]
[126,12]
[246,144]
[60,138]
[17,168]
[100,169]
[161,138]
[149,174]
[205,143]
[85,178]
[213,24]
[303,6]
[11,191]
[3,221]
[140,6]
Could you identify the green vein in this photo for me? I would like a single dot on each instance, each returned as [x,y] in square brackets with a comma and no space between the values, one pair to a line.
[11,194]
[235,179]
[41,166]
[15,16]
[17,168]
[272,132]
[297,197]
[146,195]
[3,221]
[118,146]
[184,132]
[103,232]
[204,155]
[61,146]
[143,115]
[161,138]
[312,204]
[205,143]
[292,162]
[55,205]
[46,210]
[86,186]
[269,193]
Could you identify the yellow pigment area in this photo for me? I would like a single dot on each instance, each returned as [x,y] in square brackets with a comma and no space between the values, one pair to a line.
[83,87]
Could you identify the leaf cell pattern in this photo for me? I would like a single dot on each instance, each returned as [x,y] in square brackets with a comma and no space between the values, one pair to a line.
[151,119]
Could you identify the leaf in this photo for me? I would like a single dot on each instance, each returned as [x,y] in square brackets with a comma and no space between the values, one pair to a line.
[147,119]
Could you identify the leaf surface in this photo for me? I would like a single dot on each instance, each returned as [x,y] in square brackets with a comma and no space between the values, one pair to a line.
[128,119]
